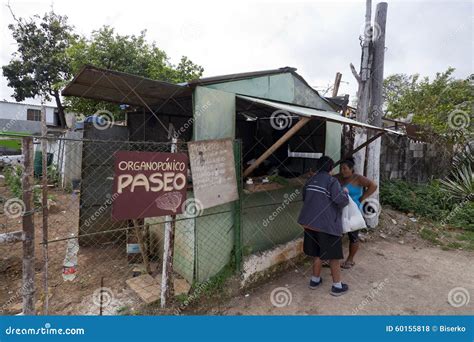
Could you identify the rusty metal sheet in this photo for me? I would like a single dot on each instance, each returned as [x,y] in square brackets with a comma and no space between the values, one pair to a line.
[148,184]
[120,87]
[213,172]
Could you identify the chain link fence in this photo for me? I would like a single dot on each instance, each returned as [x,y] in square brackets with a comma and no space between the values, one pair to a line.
[96,265]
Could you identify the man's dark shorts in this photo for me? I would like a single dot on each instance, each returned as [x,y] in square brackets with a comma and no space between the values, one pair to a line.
[353,236]
[322,245]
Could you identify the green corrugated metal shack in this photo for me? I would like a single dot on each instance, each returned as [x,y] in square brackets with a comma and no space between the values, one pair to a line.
[224,107]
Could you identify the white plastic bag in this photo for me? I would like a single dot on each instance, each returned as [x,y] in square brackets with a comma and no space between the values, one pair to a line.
[352,218]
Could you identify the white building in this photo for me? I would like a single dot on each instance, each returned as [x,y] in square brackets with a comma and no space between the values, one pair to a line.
[23,117]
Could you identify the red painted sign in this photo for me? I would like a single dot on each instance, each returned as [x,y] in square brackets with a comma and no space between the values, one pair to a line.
[149,184]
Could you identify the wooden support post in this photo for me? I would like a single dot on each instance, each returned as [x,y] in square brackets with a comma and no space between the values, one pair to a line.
[28,285]
[302,121]
[337,83]
[167,283]
[44,204]
[376,101]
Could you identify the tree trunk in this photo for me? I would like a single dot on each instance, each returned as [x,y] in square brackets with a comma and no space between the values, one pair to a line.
[363,100]
[373,151]
[61,114]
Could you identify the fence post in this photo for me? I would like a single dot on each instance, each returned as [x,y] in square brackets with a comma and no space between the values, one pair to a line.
[237,207]
[28,287]
[167,284]
[44,204]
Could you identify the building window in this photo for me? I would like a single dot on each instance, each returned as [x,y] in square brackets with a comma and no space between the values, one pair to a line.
[33,114]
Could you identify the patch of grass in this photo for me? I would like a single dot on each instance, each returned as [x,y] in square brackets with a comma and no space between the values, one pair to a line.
[124,310]
[467,239]
[454,245]
[430,235]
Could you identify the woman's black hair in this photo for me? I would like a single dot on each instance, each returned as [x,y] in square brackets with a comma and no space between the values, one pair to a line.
[350,162]
[325,164]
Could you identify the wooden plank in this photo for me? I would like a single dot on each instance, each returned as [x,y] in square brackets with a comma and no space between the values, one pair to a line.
[292,131]
[44,203]
[28,230]
[213,172]
[11,237]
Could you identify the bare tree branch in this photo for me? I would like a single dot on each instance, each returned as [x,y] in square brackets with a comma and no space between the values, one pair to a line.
[354,72]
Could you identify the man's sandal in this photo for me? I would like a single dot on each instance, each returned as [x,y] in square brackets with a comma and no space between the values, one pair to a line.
[347,265]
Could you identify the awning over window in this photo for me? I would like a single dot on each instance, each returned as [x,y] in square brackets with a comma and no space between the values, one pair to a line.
[123,88]
[311,112]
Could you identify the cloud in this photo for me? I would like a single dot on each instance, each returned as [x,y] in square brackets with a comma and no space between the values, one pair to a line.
[319,38]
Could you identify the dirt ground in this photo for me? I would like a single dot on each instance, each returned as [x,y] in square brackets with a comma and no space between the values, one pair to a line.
[396,273]
[65,298]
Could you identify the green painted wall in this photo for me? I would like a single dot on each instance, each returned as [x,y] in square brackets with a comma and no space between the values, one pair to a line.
[214,241]
[260,233]
[214,114]
[333,141]
[274,87]
[214,118]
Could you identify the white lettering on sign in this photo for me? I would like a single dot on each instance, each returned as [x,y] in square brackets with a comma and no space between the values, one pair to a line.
[166,181]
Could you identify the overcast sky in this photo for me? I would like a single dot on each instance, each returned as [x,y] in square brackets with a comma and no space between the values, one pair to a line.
[318,38]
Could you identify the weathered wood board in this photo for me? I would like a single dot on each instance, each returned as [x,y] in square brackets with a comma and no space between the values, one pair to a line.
[213,172]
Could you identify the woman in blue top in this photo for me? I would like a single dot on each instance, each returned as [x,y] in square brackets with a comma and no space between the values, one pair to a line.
[359,188]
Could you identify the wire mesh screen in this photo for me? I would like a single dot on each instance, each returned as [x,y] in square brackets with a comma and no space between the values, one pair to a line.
[11,209]
[97,265]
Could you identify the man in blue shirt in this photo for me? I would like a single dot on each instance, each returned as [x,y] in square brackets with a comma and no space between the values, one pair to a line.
[321,217]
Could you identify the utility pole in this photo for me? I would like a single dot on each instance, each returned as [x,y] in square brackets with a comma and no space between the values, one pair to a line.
[363,93]
[376,101]
[337,83]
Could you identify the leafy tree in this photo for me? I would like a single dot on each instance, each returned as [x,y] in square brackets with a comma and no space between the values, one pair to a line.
[40,64]
[433,103]
[131,54]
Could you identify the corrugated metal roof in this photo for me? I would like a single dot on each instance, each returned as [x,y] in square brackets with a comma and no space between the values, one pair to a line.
[239,76]
[305,111]
[119,87]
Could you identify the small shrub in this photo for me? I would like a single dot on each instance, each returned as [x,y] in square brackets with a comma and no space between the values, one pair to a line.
[13,179]
[426,200]
[463,216]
